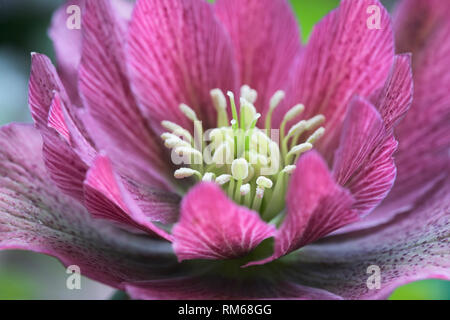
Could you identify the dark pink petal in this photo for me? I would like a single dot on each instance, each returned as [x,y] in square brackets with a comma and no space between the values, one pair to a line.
[64,166]
[413,246]
[316,206]
[66,150]
[344,58]
[177,53]
[424,137]
[117,125]
[107,198]
[157,205]
[56,118]
[364,160]
[266,41]
[44,82]
[68,124]
[221,288]
[35,215]
[218,229]
[394,99]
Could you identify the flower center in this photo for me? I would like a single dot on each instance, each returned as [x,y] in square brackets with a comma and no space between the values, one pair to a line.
[252,165]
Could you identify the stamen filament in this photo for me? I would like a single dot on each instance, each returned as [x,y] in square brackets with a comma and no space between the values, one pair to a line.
[257,201]
[298,150]
[220,102]
[274,103]
[177,130]
[290,115]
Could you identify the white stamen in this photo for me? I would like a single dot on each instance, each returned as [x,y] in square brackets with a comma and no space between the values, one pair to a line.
[257,116]
[248,113]
[289,169]
[293,112]
[188,151]
[314,122]
[185,173]
[188,112]
[219,100]
[177,130]
[297,128]
[249,108]
[264,182]
[258,158]
[166,136]
[259,192]
[208,177]
[299,149]
[222,154]
[249,94]
[245,189]
[239,169]
[316,135]
[176,142]
[276,99]
[222,179]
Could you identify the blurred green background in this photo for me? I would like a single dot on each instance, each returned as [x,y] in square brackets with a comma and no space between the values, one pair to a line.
[23,29]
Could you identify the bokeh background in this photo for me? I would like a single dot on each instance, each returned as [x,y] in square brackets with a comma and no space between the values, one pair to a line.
[23,29]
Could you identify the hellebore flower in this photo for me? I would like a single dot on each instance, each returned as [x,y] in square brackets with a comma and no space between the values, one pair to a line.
[289,194]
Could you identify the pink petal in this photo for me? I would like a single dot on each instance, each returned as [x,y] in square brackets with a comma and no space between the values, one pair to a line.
[412,247]
[343,58]
[177,53]
[67,151]
[424,137]
[44,81]
[117,125]
[266,41]
[394,99]
[364,160]
[35,215]
[217,229]
[208,287]
[316,206]
[107,198]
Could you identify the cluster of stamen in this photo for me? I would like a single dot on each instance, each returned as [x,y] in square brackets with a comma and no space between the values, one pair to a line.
[252,165]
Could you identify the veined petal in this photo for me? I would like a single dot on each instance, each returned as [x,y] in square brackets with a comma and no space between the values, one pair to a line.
[344,57]
[117,125]
[422,27]
[209,287]
[316,206]
[392,102]
[394,99]
[67,149]
[266,41]
[35,215]
[178,52]
[67,42]
[44,82]
[364,160]
[412,247]
[218,229]
[106,197]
